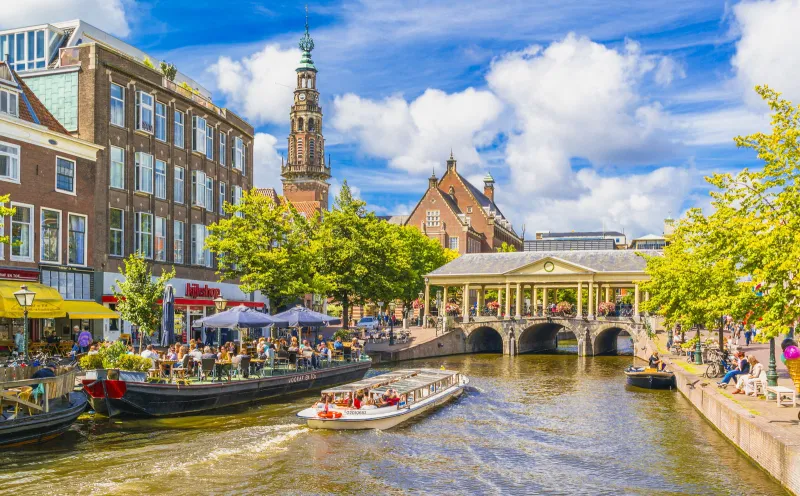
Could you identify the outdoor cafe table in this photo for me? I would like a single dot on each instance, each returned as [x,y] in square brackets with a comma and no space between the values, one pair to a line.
[168,363]
[222,363]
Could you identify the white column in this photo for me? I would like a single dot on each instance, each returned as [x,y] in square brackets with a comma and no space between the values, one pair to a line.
[427,304]
[590,300]
[580,299]
[545,291]
[608,294]
[466,303]
[481,297]
[508,300]
[519,301]
[499,301]
[636,300]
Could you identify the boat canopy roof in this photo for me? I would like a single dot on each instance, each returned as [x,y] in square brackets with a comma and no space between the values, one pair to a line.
[425,378]
[372,382]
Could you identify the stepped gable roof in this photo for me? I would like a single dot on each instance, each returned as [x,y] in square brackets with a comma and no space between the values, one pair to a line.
[501,263]
[31,109]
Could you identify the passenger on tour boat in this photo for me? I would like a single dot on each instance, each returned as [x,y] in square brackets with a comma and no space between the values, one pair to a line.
[324,352]
[357,400]
[338,345]
[355,348]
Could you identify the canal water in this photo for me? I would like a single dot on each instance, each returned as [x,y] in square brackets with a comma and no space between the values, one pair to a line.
[534,424]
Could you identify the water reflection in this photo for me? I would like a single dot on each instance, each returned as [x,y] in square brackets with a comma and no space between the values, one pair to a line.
[534,424]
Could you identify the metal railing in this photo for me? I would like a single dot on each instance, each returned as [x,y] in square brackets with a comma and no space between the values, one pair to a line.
[69,56]
[191,95]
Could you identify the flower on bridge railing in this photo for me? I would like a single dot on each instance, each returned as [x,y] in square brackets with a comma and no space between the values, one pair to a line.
[606,308]
[493,305]
[564,307]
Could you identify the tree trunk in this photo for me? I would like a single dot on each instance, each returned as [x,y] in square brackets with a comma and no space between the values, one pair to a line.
[345,312]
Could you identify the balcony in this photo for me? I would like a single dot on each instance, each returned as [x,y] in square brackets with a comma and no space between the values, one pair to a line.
[69,56]
[305,169]
[187,93]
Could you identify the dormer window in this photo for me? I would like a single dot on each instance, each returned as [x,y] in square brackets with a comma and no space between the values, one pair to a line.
[9,102]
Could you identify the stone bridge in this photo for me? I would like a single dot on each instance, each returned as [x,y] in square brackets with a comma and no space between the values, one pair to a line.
[539,334]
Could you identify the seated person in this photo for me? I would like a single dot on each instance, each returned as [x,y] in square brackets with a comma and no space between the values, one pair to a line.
[238,358]
[743,367]
[171,354]
[358,400]
[356,349]
[45,371]
[75,349]
[207,353]
[393,398]
[222,354]
[93,350]
[655,362]
[150,353]
[338,345]
[294,346]
[197,355]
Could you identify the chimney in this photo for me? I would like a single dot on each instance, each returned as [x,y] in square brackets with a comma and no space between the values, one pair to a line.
[488,186]
[432,180]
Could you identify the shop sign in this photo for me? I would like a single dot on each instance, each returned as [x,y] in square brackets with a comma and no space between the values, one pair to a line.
[19,275]
[197,291]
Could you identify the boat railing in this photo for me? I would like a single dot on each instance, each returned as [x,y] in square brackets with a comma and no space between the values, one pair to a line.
[51,388]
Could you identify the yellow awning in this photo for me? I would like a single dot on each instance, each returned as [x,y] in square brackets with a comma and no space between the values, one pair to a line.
[88,310]
[46,305]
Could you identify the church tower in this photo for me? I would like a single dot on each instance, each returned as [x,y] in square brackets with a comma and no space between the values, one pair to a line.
[305,175]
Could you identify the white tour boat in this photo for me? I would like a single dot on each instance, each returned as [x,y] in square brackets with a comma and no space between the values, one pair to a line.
[387,399]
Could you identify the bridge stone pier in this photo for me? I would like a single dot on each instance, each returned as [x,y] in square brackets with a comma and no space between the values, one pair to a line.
[540,334]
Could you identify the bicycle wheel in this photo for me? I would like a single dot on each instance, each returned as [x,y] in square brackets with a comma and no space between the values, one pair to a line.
[712,370]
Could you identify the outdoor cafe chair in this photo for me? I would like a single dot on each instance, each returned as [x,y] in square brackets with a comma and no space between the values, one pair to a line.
[243,369]
[207,366]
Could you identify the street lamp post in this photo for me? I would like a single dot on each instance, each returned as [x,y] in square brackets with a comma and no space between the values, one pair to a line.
[25,299]
[698,355]
[391,323]
[772,370]
[421,297]
[220,303]
[439,315]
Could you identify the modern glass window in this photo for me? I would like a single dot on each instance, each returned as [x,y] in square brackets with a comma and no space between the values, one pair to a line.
[24,51]
[51,236]
[22,233]
[144,172]
[116,233]
[432,218]
[117,105]
[65,175]
[177,242]
[198,134]
[117,170]
[209,142]
[209,194]
[160,251]
[178,185]
[77,239]
[223,138]
[177,137]
[161,121]
[453,243]
[161,179]
[144,112]
[9,162]
[199,189]
[143,234]
[9,102]
[238,153]
[222,198]
[71,285]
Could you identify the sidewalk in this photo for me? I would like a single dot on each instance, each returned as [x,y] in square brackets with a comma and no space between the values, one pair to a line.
[419,335]
[783,417]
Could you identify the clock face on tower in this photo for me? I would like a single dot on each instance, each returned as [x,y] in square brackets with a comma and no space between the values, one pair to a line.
[302,96]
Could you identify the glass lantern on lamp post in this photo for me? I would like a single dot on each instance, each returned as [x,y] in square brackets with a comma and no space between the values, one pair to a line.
[220,303]
[25,299]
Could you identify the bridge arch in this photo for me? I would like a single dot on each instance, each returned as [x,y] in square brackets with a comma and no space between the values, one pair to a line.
[605,340]
[485,339]
[543,337]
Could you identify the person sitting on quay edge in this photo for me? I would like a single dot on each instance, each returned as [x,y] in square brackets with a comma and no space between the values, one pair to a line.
[745,383]
[743,367]
[655,362]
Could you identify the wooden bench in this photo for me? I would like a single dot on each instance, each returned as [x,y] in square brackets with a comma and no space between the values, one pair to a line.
[783,396]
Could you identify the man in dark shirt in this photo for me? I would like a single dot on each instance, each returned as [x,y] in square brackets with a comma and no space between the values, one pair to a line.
[44,372]
[655,362]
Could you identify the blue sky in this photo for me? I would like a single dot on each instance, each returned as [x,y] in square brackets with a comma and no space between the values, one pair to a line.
[588,114]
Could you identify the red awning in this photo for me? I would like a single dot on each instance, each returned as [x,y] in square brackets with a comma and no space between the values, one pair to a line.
[197,302]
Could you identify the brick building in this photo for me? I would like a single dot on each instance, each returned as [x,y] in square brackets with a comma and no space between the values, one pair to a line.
[171,158]
[462,217]
[49,176]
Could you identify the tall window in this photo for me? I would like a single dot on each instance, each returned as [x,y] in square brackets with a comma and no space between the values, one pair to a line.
[144,172]
[311,150]
[236,197]
[143,234]
[453,243]
[178,132]
[238,153]
[432,218]
[209,194]
[65,175]
[161,121]
[244,160]
[209,142]
[177,242]
[22,233]
[9,162]
[116,232]
[200,255]
[117,170]
[144,112]
[178,185]
[161,179]
[9,102]
[161,239]
[199,188]
[222,198]
[222,141]
[198,134]
[300,149]
[77,239]
[51,236]
[117,105]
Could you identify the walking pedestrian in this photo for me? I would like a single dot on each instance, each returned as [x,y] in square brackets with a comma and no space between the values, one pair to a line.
[748,335]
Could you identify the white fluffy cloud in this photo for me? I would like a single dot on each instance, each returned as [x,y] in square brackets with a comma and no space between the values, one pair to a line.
[576,98]
[261,86]
[767,50]
[108,15]
[266,162]
[418,136]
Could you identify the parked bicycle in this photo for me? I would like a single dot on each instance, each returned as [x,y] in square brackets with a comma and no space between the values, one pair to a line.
[719,366]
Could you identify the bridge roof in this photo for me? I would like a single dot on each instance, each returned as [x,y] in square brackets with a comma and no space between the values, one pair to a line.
[502,263]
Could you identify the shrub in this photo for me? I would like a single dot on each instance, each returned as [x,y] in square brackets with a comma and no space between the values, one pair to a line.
[91,362]
[169,71]
[147,63]
[341,333]
[110,355]
[135,363]
[564,307]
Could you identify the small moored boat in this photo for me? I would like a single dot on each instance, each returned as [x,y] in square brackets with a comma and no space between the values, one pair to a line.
[411,392]
[649,378]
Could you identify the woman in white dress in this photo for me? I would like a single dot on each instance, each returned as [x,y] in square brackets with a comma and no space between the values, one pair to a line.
[746,383]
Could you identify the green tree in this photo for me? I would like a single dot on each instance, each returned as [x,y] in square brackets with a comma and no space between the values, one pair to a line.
[148,63]
[506,248]
[266,246]
[138,294]
[168,70]
[5,212]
